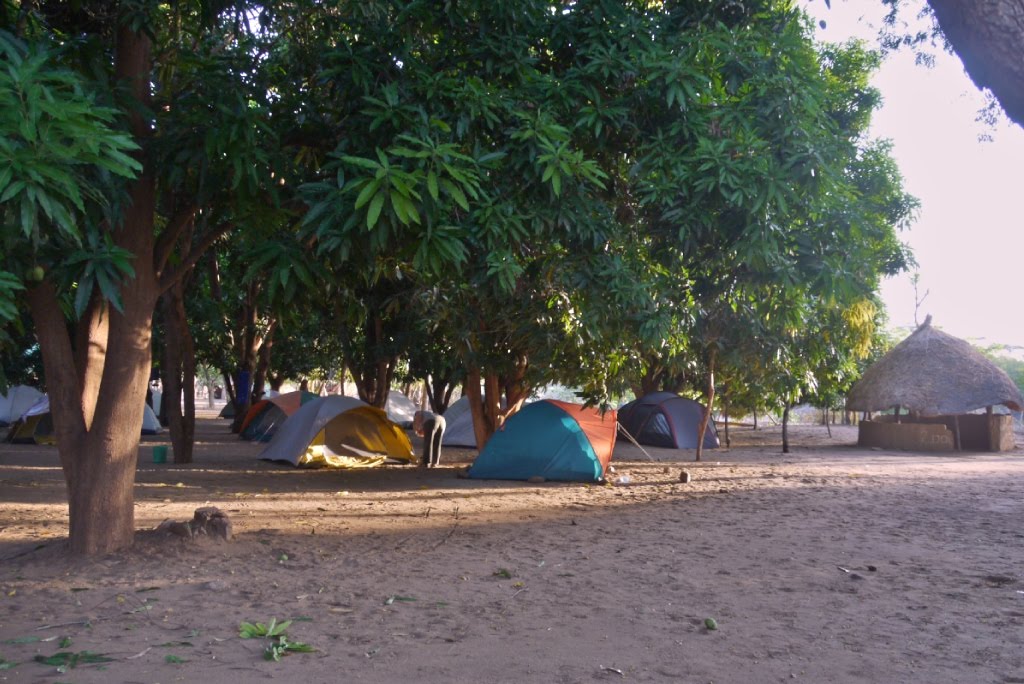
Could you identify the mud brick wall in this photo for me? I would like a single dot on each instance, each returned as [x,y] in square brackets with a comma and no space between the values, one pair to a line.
[978,432]
[907,436]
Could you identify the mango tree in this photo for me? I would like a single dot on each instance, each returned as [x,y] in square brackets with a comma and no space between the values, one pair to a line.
[800,203]
[87,227]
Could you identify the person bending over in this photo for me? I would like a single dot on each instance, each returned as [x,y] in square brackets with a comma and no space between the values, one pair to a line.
[431,428]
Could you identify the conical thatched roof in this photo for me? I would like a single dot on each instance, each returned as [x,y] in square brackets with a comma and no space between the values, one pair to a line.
[934,374]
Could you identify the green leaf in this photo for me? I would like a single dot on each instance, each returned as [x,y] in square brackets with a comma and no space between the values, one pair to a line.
[409,154]
[248,630]
[367,192]
[12,190]
[363,163]
[373,214]
[28,216]
[109,289]
[457,195]
[411,211]
[5,176]
[432,185]
[399,204]
[82,295]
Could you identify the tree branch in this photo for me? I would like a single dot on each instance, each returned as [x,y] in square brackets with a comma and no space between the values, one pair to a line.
[170,276]
[90,351]
[987,36]
[63,387]
[179,222]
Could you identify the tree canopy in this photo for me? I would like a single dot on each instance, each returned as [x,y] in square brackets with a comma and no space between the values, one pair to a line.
[602,193]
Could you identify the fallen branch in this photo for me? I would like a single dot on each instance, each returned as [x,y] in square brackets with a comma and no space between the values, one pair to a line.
[35,548]
[447,536]
[77,623]
[451,531]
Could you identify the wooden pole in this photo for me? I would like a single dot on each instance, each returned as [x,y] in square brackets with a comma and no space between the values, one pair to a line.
[988,428]
[956,431]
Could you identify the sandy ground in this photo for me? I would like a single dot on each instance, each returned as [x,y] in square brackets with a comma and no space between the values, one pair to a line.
[829,564]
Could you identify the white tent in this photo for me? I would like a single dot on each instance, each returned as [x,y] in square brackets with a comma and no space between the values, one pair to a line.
[17,400]
[150,423]
[458,420]
[401,409]
[340,432]
[158,397]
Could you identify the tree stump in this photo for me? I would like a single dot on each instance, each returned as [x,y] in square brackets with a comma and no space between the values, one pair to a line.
[207,521]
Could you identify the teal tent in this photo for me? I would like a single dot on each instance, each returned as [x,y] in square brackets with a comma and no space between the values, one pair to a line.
[551,439]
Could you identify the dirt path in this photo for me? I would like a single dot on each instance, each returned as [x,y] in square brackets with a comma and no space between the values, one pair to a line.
[832,564]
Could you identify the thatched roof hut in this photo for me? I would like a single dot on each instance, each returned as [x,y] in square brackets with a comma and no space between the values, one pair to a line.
[932,373]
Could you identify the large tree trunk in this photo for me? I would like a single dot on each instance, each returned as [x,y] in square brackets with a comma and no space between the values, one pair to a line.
[248,346]
[650,382]
[373,384]
[492,403]
[725,407]
[785,429]
[482,430]
[98,424]
[439,391]
[373,377]
[91,336]
[179,374]
[102,496]
[487,410]
[707,410]
[229,386]
[242,399]
[259,378]
[988,35]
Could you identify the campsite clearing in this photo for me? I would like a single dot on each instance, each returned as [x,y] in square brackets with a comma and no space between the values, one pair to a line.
[829,564]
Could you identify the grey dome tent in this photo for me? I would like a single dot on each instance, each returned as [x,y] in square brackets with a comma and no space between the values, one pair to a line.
[36,425]
[400,409]
[459,430]
[665,419]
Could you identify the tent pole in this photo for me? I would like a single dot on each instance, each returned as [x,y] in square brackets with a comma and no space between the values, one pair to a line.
[989,430]
[635,443]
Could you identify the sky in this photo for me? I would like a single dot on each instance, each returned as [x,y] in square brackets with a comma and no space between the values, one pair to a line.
[968,238]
